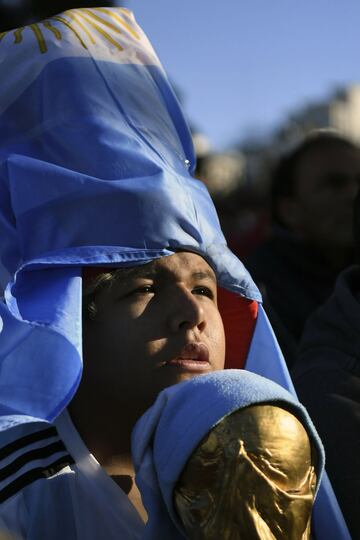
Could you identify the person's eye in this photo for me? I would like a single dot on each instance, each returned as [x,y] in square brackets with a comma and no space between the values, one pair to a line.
[144,289]
[134,290]
[201,290]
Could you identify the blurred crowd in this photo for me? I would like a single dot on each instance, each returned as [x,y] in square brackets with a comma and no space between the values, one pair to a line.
[297,228]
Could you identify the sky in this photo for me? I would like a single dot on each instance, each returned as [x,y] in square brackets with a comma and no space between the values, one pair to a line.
[243,65]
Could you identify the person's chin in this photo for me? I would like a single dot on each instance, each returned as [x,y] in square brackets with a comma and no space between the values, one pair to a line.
[176,372]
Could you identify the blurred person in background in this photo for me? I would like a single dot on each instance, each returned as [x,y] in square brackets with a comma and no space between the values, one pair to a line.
[312,193]
[240,206]
[327,379]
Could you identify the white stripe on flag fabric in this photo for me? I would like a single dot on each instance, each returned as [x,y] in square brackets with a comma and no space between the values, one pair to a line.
[102,34]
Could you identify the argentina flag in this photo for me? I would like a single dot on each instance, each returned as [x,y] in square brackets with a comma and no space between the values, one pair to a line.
[95,170]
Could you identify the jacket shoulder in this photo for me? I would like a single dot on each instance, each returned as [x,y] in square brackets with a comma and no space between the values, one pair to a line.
[29,452]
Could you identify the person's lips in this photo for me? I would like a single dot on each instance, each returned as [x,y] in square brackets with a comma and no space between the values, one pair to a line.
[193,357]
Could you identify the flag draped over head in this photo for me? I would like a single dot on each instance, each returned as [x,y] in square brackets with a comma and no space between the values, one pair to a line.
[95,163]
[95,170]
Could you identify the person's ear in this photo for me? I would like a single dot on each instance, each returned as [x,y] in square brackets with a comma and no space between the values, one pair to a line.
[288,212]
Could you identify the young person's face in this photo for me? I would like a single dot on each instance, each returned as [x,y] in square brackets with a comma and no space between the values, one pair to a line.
[157,326]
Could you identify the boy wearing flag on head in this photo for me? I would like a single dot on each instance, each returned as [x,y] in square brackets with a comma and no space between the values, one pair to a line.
[97,198]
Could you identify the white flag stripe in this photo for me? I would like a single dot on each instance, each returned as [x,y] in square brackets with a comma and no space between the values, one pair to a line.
[107,34]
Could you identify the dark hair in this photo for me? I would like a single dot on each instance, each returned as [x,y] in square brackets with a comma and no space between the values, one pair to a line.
[97,282]
[29,11]
[356,226]
[284,176]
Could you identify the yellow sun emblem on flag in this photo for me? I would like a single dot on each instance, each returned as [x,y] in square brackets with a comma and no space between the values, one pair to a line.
[91,23]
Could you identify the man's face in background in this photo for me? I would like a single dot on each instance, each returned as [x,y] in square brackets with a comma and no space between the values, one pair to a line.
[327,180]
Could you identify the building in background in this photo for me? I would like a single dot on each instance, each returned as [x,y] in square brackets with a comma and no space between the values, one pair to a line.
[239,181]
[340,111]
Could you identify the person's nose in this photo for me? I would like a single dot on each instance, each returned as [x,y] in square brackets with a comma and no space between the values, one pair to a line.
[186,311]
